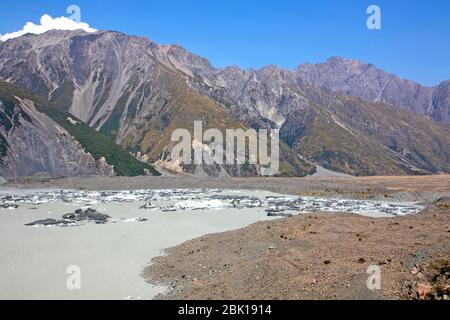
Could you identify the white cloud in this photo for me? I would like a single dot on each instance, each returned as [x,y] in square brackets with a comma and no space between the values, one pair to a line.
[48,23]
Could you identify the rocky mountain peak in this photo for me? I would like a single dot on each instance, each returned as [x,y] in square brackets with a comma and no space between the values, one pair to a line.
[186,58]
[368,82]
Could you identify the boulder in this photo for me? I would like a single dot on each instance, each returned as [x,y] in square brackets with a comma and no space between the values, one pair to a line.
[423,290]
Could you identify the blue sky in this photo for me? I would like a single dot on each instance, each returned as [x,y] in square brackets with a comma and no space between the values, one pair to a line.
[414,41]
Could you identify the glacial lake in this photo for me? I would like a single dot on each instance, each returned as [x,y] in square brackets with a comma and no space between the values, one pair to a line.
[36,261]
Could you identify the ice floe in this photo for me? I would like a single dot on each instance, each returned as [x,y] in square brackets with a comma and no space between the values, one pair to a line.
[181,200]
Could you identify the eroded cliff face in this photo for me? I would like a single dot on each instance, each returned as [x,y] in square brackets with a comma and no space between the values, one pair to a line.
[33,143]
[440,106]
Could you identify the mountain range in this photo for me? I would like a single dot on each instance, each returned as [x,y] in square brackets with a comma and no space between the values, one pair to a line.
[343,115]
[366,81]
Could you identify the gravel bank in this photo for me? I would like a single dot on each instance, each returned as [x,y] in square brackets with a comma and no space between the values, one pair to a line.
[319,256]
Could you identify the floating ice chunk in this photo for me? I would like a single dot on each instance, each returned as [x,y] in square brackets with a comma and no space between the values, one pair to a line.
[200,204]
[148,205]
[137,219]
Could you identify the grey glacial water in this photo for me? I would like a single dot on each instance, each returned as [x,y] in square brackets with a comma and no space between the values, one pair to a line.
[34,260]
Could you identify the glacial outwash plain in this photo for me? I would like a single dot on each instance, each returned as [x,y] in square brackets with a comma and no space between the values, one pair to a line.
[191,238]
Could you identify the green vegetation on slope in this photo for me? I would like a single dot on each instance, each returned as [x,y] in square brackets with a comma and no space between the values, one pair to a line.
[100,146]
[92,141]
